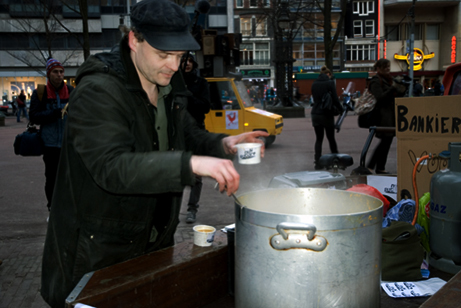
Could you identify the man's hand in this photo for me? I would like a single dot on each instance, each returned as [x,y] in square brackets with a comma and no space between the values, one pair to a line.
[251,137]
[222,170]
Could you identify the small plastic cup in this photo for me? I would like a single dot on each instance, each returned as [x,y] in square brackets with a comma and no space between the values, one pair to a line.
[249,153]
[204,235]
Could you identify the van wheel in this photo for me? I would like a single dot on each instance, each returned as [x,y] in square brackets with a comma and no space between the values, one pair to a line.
[267,140]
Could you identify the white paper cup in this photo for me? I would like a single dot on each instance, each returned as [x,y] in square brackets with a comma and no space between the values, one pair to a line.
[204,235]
[249,153]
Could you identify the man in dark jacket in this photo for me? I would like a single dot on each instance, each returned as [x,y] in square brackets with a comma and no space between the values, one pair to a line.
[46,110]
[198,106]
[130,147]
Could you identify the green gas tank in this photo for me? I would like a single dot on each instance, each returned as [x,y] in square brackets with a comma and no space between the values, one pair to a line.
[445,213]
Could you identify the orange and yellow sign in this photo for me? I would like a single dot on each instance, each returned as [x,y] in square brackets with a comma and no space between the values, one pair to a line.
[418,58]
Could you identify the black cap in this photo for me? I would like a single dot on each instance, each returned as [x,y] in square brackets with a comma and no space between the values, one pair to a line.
[164,25]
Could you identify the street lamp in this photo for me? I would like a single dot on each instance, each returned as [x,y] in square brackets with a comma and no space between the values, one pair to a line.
[284,56]
[283,20]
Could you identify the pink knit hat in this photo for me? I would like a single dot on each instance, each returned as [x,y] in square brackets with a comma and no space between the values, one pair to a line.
[51,64]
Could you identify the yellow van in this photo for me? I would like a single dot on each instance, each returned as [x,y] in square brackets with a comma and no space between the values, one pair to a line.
[232,111]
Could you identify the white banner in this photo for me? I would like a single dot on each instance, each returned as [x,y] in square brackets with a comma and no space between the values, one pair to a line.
[232,119]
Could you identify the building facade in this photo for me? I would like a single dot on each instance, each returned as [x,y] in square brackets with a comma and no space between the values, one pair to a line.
[361,32]
[27,39]
[436,36]
[373,29]
[252,18]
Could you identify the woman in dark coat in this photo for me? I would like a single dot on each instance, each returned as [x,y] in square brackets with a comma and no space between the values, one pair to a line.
[323,120]
[384,89]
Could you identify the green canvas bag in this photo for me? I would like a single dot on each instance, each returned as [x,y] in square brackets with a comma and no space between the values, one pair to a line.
[401,253]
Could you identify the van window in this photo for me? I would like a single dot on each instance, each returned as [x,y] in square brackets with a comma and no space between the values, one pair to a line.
[222,96]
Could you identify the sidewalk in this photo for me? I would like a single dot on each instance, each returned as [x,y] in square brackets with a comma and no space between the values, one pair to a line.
[22,198]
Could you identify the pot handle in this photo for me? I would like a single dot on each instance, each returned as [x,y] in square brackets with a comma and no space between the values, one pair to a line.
[296,226]
[297,240]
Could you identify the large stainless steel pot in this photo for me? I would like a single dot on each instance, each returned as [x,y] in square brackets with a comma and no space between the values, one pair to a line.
[307,247]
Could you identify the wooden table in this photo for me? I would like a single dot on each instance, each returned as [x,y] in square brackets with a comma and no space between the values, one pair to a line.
[186,275]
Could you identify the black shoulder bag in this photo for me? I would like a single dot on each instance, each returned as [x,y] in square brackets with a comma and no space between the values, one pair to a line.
[327,104]
[29,143]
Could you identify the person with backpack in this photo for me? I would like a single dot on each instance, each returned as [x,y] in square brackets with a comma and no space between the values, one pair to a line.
[323,120]
[46,109]
[21,100]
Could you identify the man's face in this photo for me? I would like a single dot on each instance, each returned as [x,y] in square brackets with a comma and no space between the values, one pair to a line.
[56,77]
[153,65]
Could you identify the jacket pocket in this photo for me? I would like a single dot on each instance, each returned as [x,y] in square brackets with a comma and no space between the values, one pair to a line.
[104,242]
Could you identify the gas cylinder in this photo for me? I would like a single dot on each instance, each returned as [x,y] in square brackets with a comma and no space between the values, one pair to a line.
[445,213]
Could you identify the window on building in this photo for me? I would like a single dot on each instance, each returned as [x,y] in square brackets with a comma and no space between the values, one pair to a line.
[253,3]
[245,26]
[261,27]
[74,43]
[392,33]
[114,2]
[358,28]
[432,32]
[110,37]
[261,56]
[255,54]
[363,8]
[115,6]
[314,54]
[418,32]
[297,54]
[309,30]
[309,51]
[239,3]
[246,54]
[365,52]
[369,28]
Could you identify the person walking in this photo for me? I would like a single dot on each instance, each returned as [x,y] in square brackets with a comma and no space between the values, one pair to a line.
[385,90]
[130,148]
[198,106]
[21,100]
[323,120]
[46,110]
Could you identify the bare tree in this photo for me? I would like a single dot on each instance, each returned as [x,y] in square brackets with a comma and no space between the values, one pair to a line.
[305,12]
[325,6]
[38,35]
[285,20]
[80,7]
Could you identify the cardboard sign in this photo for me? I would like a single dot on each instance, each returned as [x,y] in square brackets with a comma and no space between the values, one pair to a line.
[424,125]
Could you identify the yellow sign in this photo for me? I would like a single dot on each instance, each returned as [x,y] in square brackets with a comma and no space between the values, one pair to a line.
[418,58]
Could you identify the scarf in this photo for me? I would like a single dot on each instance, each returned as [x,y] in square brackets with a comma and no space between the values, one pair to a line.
[63,92]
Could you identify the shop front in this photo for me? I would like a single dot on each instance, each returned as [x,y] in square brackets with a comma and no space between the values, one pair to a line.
[12,82]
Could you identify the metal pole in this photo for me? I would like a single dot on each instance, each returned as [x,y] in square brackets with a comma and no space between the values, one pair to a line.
[411,51]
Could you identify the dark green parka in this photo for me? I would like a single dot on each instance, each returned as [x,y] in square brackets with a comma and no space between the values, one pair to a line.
[116,195]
